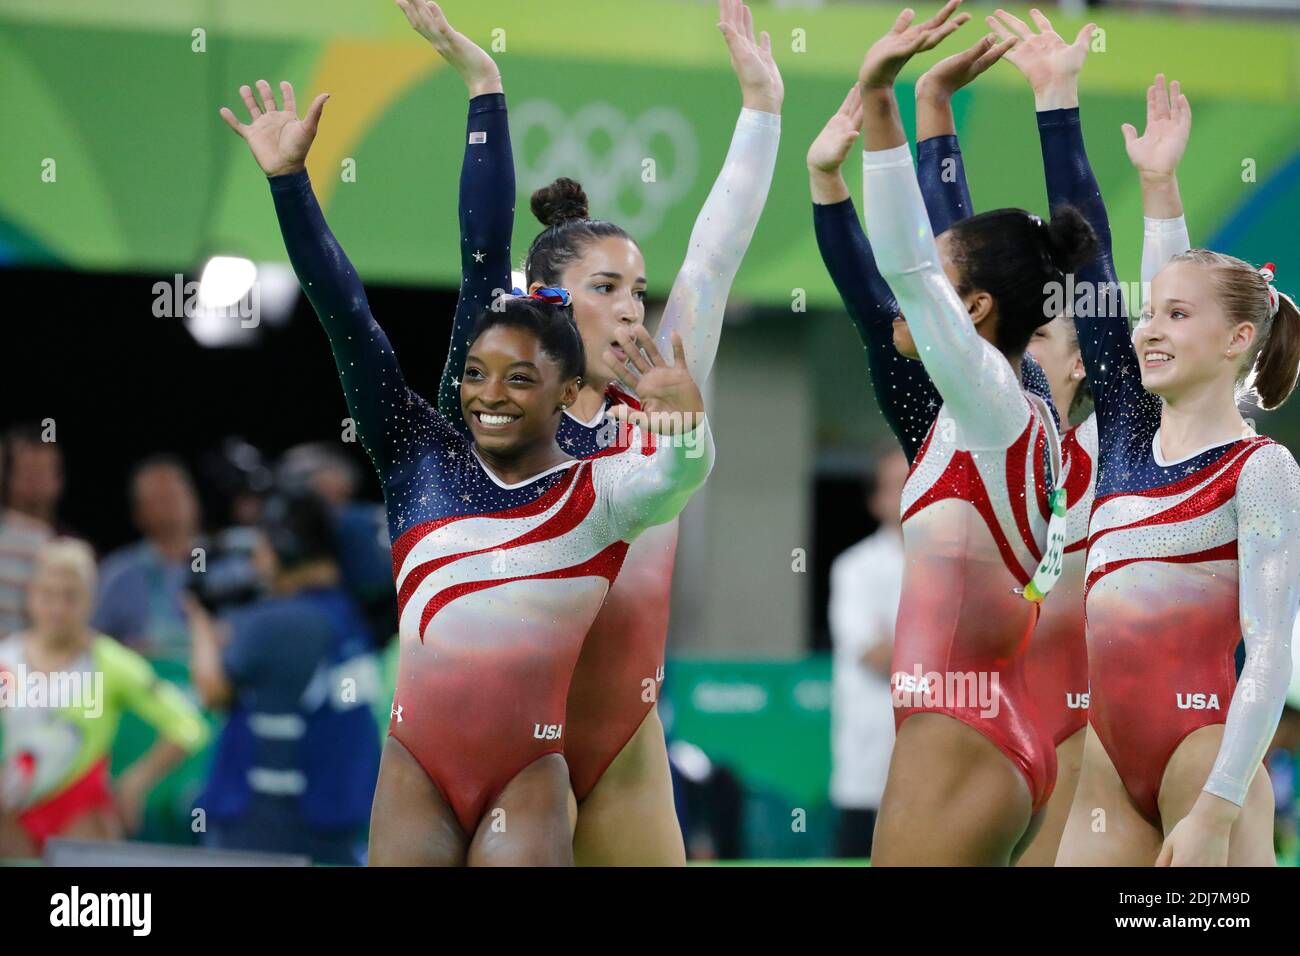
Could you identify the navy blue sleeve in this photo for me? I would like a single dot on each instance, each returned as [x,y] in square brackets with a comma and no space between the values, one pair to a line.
[1099,311]
[386,412]
[942,175]
[946,191]
[487,217]
[906,396]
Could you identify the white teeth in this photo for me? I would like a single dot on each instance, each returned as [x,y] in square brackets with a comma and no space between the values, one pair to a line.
[1158,357]
[487,419]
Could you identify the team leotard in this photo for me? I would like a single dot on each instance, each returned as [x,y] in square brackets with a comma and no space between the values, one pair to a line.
[621,666]
[1185,559]
[496,583]
[974,506]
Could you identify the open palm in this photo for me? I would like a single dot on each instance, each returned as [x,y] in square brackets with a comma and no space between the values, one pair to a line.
[751,58]
[277,138]
[1169,124]
[671,403]
[904,40]
[1044,57]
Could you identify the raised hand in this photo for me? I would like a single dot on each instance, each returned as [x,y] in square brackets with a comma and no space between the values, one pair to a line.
[472,62]
[953,72]
[760,80]
[831,147]
[1160,148]
[278,139]
[671,403]
[1051,65]
[905,39]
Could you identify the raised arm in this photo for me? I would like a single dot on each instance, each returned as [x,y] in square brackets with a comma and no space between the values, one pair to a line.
[487,190]
[380,402]
[1156,154]
[1268,525]
[907,398]
[976,381]
[938,156]
[727,221]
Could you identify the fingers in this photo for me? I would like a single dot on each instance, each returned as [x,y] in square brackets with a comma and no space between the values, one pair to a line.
[996,52]
[944,13]
[936,36]
[1151,104]
[1130,134]
[628,377]
[1018,26]
[268,100]
[903,22]
[1084,39]
[231,121]
[642,345]
[679,351]
[850,98]
[1044,25]
[408,12]
[246,94]
[748,16]
[1000,28]
[1161,98]
[286,94]
[312,120]
[765,44]
[1182,109]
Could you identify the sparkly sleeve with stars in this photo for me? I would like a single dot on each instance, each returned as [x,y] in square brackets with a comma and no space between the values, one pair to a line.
[980,389]
[907,398]
[1268,556]
[1099,311]
[487,217]
[719,241]
[942,174]
[390,419]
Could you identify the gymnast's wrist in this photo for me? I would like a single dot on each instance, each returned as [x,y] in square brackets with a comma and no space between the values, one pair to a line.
[1211,810]
[1061,95]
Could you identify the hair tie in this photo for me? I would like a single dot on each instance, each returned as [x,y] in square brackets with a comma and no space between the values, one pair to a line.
[555,296]
[1268,271]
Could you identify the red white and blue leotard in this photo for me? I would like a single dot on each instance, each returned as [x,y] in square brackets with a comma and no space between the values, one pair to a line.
[497,584]
[1185,558]
[621,667]
[975,505]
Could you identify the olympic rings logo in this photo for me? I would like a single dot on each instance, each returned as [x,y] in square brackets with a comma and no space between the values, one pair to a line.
[606,152]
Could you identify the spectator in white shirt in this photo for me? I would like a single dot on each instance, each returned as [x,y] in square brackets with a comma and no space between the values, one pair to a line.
[866,583]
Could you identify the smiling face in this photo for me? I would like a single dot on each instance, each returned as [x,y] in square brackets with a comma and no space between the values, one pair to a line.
[1184,339]
[512,390]
[608,285]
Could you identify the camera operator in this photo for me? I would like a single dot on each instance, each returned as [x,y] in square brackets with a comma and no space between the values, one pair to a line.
[296,763]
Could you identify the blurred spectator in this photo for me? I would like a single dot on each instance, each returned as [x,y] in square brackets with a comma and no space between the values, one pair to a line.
[34,472]
[64,690]
[365,555]
[140,595]
[296,765]
[866,584]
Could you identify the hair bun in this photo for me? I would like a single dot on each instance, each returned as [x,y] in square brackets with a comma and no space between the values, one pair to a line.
[1070,240]
[559,202]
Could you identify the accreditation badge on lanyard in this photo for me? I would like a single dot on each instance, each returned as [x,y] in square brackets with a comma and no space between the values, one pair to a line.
[1048,571]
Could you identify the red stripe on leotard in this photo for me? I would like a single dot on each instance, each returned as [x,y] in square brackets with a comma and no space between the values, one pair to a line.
[1222,552]
[408,538]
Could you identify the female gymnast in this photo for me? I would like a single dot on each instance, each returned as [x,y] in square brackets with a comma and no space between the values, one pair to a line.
[614,739]
[503,545]
[54,776]
[1191,545]
[971,770]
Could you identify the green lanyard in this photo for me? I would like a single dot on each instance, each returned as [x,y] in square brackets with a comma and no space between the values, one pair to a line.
[1048,571]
